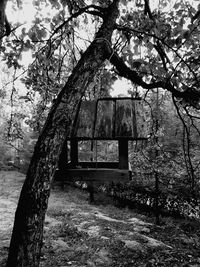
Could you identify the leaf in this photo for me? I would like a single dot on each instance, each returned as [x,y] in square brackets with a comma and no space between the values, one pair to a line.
[32,35]
[55,4]
[150,46]
[64,3]
[178,29]
[177,5]
[186,34]
[42,33]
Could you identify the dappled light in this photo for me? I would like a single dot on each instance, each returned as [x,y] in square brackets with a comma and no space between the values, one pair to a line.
[100,133]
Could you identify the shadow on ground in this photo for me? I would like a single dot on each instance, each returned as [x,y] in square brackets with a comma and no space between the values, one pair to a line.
[79,234]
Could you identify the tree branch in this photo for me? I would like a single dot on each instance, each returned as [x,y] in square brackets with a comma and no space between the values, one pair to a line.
[190,95]
[160,40]
[98,11]
[94,13]
[147,9]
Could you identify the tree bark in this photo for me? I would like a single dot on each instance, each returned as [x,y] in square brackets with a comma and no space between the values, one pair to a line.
[2,17]
[27,236]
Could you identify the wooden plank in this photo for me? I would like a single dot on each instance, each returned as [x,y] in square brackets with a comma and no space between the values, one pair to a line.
[104,120]
[107,138]
[125,119]
[104,175]
[112,118]
[85,120]
[93,164]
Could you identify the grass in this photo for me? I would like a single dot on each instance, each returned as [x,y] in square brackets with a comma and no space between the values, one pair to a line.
[75,235]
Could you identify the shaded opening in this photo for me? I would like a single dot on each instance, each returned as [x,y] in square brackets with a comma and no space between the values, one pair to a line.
[98,151]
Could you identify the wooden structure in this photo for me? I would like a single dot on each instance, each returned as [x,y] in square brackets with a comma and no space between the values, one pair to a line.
[119,119]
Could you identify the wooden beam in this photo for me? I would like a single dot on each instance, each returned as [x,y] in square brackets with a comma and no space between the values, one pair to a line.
[123,154]
[104,175]
[94,164]
[74,151]
[64,157]
[107,138]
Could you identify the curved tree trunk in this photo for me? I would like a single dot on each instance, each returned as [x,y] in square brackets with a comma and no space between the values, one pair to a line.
[26,241]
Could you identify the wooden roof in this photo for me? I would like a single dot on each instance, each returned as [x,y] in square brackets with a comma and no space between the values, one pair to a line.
[110,119]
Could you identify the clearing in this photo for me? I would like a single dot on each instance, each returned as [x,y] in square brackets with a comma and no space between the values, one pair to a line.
[79,234]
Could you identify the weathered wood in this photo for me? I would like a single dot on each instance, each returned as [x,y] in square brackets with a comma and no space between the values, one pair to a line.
[103,175]
[107,138]
[124,120]
[105,119]
[93,164]
[85,122]
[110,119]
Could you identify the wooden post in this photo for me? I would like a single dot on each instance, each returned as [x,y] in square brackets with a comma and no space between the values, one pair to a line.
[90,187]
[123,153]
[90,184]
[63,160]
[62,164]
[74,152]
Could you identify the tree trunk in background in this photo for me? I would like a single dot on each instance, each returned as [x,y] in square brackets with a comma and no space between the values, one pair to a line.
[27,236]
[2,18]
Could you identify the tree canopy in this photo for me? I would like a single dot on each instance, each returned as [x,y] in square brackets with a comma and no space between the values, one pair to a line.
[154,44]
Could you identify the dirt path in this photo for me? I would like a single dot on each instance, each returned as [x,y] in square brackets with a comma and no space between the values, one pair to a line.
[10,185]
[78,234]
[91,235]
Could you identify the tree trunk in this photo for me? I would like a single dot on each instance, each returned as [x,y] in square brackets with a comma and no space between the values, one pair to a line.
[27,236]
[2,17]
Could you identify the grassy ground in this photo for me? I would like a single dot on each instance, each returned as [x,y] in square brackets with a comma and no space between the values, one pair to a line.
[77,233]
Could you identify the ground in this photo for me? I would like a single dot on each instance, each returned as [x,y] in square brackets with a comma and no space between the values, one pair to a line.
[79,234]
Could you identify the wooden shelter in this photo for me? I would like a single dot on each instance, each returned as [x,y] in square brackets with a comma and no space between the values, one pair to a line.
[106,119]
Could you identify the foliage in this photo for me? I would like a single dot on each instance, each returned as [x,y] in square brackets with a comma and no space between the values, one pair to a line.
[157,42]
[155,47]
[162,157]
